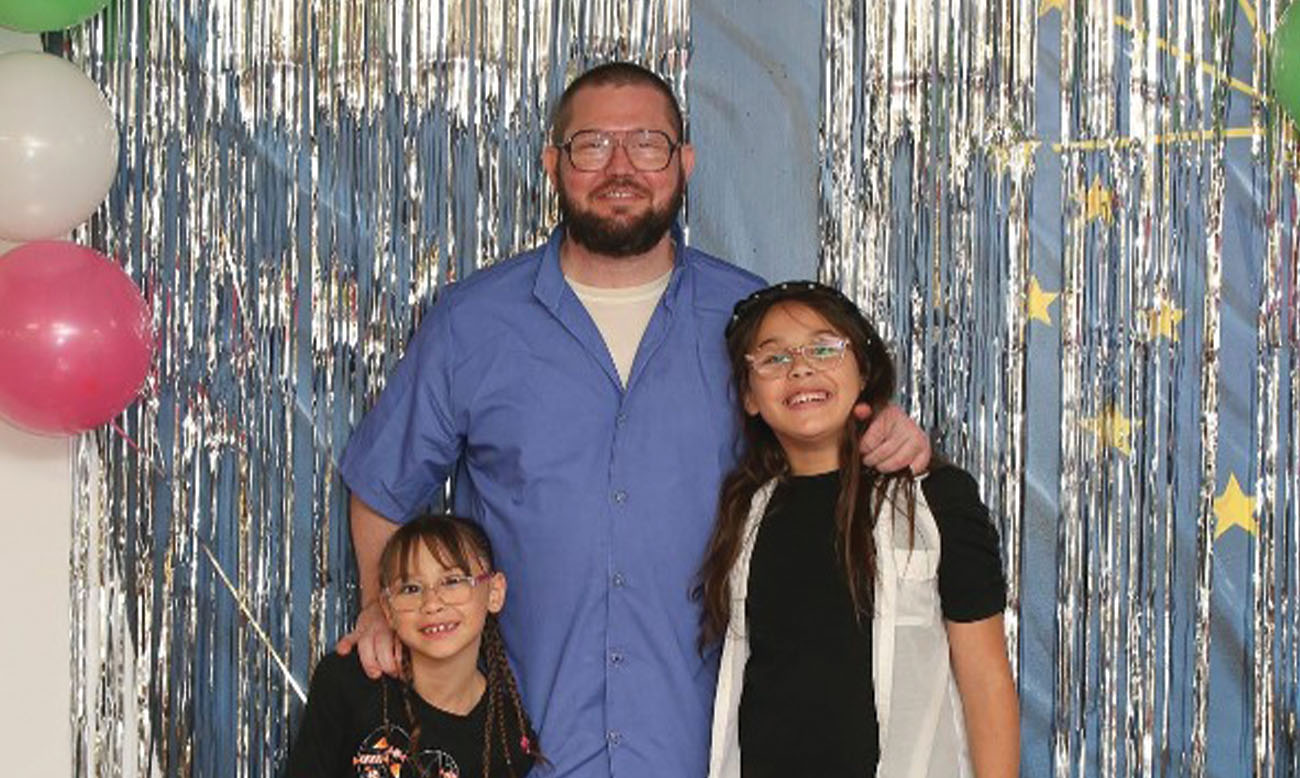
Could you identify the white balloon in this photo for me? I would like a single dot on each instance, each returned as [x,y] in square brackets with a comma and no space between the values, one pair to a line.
[12,40]
[58,146]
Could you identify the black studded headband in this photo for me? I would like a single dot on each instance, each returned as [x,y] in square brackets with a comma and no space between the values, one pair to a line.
[764,298]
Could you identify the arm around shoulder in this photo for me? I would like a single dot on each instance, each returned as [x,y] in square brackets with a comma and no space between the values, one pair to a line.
[398,455]
[892,440]
[372,637]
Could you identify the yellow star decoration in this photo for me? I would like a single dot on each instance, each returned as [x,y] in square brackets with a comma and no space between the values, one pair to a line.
[1113,429]
[1003,156]
[1163,321]
[1234,508]
[1098,201]
[1046,5]
[1039,301]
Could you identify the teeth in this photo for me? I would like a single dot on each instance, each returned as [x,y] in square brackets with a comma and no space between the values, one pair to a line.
[806,397]
[438,628]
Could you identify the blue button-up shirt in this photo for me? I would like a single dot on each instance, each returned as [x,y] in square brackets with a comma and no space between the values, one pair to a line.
[599,500]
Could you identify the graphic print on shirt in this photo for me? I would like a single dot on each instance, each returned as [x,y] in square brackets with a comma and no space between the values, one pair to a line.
[384,752]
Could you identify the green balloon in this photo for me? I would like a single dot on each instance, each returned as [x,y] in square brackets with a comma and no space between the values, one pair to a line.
[47,15]
[1286,61]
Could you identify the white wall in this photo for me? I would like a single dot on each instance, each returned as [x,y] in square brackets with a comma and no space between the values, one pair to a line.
[35,538]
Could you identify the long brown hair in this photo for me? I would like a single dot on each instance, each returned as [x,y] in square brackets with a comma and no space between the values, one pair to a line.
[862,491]
[457,542]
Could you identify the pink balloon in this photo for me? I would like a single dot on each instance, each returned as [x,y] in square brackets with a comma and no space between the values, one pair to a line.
[75,338]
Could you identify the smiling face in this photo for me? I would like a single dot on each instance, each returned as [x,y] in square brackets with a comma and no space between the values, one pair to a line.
[442,637]
[807,406]
[619,211]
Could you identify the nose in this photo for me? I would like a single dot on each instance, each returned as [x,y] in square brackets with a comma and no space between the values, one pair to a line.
[619,161]
[431,600]
[800,365]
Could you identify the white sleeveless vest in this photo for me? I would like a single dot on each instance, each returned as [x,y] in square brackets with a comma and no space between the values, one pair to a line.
[922,731]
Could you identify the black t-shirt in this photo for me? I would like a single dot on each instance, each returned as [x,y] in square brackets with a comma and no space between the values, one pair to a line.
[347,733]
[808,705]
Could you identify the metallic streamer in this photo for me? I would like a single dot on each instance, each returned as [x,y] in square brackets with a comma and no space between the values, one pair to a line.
[1070,681]
[1289,631]
[912,168]
[1269,679]
[929,163]
[1146,182]
[1210,400]
[298,180]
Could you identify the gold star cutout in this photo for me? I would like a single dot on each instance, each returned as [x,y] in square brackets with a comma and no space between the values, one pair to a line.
[1234,508]
[1003,156]
[1046,5]
[1163,321]
[1113,429]
[1039,301]
[1097,201]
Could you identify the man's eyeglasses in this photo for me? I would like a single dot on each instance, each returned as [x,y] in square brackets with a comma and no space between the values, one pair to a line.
[450,589]
[821,354]
[648,150]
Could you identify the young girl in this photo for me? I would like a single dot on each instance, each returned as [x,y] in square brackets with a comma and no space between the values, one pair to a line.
[860,613]
[456,713]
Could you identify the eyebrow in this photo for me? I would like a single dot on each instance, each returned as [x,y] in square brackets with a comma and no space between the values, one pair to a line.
[815,335]
[445,572]
[670,133]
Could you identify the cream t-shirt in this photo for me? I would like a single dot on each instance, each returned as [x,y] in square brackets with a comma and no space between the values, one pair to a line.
[622,316]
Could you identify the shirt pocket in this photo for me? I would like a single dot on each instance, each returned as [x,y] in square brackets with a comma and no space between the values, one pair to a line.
[916,564]
[918,585]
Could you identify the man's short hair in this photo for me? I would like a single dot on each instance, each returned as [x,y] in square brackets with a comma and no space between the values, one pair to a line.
[613,74]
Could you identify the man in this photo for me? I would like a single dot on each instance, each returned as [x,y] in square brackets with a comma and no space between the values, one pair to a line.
[581,389]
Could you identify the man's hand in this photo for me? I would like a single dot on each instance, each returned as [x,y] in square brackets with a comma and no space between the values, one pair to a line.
[892,441]
[375,642]
[373,639]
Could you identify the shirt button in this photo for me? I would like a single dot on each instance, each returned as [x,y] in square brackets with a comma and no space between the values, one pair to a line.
[620,419]
[614,737]
[620,496]
[615,658]
[619,581]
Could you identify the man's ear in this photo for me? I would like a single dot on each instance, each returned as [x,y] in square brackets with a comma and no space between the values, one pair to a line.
[496,592]
[688,160]
[551,163]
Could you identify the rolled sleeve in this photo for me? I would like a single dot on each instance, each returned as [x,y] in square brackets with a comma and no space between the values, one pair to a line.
[971,582]
[400,454]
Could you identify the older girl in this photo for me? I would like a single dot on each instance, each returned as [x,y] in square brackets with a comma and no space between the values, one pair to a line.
[860,612]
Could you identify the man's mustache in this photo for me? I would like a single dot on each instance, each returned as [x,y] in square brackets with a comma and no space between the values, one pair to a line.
[621,182]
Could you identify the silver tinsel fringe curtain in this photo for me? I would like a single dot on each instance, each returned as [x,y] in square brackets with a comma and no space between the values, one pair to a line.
[1075,222]
[1036,199]
[298,179]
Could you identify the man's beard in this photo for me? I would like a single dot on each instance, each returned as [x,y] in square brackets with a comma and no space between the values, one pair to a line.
[618,238]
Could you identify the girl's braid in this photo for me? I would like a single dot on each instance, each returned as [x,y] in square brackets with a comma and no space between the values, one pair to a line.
[489,637]
[413,742]
[503,691]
